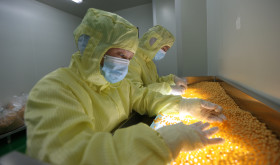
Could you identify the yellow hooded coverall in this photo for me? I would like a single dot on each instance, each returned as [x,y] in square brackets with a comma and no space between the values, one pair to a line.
[71,111]
[142,70]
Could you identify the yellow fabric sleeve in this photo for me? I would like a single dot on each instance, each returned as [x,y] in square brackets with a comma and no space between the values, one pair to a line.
[143,74]
[69,123]
[168,79]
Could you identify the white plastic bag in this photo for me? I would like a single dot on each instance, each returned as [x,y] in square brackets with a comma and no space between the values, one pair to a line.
[12,114]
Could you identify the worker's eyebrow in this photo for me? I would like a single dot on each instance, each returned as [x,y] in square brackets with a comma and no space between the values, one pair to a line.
[120,52]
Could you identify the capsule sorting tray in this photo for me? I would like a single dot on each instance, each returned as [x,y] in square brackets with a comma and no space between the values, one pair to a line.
[245,101]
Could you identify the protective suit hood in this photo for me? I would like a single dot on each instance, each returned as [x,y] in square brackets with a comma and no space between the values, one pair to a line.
[98,32]
[154,39]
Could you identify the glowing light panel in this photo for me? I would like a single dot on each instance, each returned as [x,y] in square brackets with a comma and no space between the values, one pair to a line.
[77,1]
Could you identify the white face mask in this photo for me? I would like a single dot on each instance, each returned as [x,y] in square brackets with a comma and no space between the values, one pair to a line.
[160,54]
[114,69]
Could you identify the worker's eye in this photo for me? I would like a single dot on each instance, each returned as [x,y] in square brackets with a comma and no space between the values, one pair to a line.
[123,56]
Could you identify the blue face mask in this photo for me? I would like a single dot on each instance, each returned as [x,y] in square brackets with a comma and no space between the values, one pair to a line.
[160,54]
[114,69]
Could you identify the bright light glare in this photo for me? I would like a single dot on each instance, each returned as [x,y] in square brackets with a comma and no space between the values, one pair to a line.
[77,1]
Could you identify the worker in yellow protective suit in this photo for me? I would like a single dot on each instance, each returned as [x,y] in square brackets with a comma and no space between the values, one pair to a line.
[71,112]
[142,70]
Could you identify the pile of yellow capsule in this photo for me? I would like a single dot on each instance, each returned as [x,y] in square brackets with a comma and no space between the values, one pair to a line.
[247,140]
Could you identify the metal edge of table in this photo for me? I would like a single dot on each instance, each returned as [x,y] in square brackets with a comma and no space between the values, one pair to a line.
[12,132]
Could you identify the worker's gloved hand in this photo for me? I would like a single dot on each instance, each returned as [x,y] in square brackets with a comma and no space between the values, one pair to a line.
[181,137]
[181,82]
[201,109]
[177,90]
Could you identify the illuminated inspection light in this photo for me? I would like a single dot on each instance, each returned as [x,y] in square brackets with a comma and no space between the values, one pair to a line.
[77,1]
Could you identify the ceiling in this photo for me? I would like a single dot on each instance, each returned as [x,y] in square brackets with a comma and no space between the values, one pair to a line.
[80,9]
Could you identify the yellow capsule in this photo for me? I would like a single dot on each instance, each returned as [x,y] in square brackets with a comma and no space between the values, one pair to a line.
[246,137]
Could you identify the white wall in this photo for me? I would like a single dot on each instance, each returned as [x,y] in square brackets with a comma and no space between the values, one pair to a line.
[192,37]
[34,39]
[140,16]
[164,15]
[244,44]
[186,19]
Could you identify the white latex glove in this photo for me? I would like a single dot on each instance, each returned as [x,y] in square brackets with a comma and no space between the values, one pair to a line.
[177,90]
[181,137]
[181,82]
[201,109]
